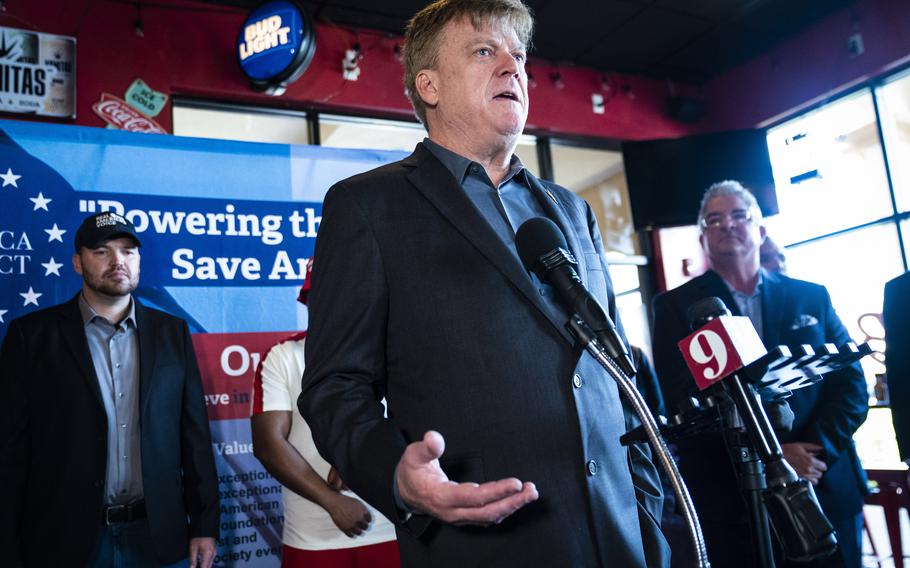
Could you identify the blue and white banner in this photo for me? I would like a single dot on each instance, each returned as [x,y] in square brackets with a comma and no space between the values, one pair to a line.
[226,230]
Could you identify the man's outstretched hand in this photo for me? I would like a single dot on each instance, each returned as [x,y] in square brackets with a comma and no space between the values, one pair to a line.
[424,487]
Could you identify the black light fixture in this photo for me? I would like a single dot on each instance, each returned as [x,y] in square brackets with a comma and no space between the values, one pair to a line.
[139,27]
[556,77]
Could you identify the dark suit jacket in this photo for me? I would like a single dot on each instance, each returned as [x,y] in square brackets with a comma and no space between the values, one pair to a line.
[827,413]
[53,440]
[415,298]
[896,315]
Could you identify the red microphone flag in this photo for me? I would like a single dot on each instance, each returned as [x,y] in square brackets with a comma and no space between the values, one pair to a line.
[720,348]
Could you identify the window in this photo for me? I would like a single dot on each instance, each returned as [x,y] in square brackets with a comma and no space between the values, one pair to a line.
[829,170]
[836,209]
[249,124]
[854,267]
[894,106]
[597,176]
[374,134]
[843,180]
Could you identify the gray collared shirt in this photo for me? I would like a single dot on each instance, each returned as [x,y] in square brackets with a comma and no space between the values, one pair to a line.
[750,304]
[504,207]
[115,355]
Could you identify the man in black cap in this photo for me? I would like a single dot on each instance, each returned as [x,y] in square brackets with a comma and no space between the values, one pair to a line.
[105,451]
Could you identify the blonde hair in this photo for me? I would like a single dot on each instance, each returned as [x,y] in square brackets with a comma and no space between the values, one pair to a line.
[423,34]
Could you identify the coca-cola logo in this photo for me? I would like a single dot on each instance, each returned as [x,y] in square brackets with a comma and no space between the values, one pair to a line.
[116,112]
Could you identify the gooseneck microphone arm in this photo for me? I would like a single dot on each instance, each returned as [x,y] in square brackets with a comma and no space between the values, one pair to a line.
[630,391]
[543,250]
[557,267]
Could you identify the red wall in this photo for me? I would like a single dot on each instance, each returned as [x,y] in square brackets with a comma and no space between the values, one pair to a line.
[812,67]
[188,49]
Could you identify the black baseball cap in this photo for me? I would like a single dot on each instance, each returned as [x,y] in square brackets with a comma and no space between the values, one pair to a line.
[103,227]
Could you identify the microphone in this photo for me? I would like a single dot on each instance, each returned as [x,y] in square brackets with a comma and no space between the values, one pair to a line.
[543,250]
[718,351]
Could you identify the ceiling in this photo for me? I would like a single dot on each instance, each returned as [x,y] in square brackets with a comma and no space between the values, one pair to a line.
[684,40]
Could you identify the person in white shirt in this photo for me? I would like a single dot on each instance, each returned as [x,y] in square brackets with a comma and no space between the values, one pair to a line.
[326,525]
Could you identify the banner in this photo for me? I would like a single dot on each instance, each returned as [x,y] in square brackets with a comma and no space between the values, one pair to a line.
[226,229]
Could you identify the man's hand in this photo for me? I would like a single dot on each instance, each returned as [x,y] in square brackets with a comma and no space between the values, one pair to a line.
[424,487]
[349,515]
[202,552]
[803,456]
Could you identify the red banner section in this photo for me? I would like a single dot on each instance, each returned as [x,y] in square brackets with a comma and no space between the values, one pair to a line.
[227,363]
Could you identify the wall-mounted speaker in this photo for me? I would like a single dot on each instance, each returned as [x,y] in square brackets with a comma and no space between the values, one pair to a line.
[685,109]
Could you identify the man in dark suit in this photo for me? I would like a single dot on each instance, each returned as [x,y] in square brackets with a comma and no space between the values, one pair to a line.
[896,317]
[419,296]
[785,311]
[105,449]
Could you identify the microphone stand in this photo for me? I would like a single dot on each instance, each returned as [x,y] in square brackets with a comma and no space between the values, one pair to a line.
[789,501]
[770,486]
[586,336]
[750,471]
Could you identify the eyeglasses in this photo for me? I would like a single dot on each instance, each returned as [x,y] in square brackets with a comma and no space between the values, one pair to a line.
[717,220]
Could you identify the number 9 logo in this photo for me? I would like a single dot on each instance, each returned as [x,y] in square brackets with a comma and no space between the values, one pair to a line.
[716,351]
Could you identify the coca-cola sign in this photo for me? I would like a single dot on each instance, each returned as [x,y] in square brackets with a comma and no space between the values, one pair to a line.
[116,112]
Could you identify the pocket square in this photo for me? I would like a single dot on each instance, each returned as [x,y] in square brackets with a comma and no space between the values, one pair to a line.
[804,320]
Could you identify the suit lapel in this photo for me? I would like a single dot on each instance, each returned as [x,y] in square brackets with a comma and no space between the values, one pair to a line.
[147,341]
[74,334]
[556,211]
[436,183]
[773,296]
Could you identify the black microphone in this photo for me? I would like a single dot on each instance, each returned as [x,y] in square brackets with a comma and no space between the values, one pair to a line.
[543,250]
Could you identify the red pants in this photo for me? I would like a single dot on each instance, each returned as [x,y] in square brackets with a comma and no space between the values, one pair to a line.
[382,555]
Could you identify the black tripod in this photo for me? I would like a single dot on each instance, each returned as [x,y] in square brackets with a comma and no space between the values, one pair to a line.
[771,487]
[750,472]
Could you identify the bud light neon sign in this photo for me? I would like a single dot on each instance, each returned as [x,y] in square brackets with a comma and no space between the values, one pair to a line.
[275,45]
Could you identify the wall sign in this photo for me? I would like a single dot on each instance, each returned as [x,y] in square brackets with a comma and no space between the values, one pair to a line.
[119,115]
[37,73]
[275,45]
[145,99]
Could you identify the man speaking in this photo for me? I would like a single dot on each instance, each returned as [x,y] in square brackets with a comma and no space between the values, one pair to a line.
[502,443]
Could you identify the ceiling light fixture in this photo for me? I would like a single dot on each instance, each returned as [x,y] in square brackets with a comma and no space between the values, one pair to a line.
[556,77]
[139,27]
[350,65]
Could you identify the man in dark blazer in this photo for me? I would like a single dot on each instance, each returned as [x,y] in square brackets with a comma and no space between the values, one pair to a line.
[104,440]
[502,443]
[785,311]
[896,317]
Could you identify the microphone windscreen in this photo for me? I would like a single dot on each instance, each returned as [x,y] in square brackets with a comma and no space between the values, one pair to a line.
[536,237]
[705,310]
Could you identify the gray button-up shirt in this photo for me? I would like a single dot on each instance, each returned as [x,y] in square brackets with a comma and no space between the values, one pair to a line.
[504,207]
[115,355]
